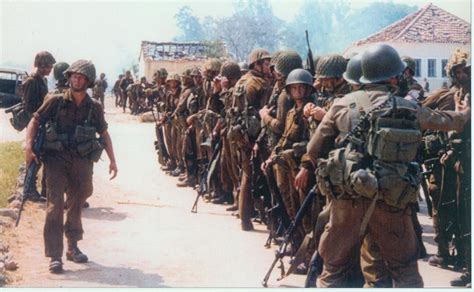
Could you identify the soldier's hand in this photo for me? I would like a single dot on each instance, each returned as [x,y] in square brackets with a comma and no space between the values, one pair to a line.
[265,111]
[30,156]
[318,113]
[113,169]
[255,150]
[301,179]
[265,164]
[307,109]
[462,102]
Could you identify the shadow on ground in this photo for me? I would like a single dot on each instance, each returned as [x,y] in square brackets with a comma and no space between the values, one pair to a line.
[103,213]
[115,276]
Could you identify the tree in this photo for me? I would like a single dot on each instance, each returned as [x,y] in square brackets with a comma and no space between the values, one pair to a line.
[189,25]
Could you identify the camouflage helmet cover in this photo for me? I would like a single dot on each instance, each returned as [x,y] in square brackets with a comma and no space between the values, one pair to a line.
[231,70]
[257,55]
[58,70]
[187,72]
[275,56]
[287,62]
[163,72]
[83,67]
[44,58]
[459,57]
[331,66]
[212,65]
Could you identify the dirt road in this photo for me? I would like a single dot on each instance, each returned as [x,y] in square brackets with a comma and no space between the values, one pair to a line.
[139,231]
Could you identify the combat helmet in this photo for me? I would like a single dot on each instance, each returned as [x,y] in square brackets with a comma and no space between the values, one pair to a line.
[331,66]
[458,58]
[83,67]
[187,72]
[58,70]
[275,56]
[244,67]
[173,76]
[380,62]
[353,70]
[231,70]
[163,72]
[287,62]
[411,64]
[44,59]
[196,71]
[257,55]
[299,76]
[212,65]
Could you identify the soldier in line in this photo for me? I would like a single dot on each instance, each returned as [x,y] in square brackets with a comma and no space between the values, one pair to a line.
[250,95]
[124,84]
[447,184]
[100,86]
[358,210]
[117,91]
[173,92]
[70,168]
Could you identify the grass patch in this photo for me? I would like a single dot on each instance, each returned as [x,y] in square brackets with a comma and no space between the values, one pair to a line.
[11,155]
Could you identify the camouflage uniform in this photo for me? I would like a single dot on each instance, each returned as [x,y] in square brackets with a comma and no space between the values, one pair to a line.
[99,88]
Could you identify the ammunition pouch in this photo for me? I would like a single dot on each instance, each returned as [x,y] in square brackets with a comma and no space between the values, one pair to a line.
[20,117]
[91,149]
[52,140]
[432,146]
[87,144]
[393,140]
[84,133]
[398,182]
[252,123]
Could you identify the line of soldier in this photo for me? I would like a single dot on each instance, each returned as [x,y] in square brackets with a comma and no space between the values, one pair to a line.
[137,95]
[360,129]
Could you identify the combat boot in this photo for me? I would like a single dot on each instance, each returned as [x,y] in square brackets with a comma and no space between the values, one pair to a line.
[463,281]
[247,225]
[56,265]
[439,261]
[224,198]
[189,182]
[177,171]
[74,254]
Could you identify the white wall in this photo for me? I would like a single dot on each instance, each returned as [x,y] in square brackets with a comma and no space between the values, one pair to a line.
[423,51]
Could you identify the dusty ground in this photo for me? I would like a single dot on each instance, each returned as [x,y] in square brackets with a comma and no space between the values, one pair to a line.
[139,231]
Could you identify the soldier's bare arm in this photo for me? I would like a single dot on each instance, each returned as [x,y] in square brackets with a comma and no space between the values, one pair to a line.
[110,153]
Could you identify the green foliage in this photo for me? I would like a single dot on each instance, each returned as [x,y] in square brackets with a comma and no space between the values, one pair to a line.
[332,26]
[11,155]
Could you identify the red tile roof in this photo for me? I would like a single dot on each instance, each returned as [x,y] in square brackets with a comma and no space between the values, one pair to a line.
[429,24]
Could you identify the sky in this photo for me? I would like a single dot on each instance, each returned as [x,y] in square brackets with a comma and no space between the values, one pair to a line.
[110,32]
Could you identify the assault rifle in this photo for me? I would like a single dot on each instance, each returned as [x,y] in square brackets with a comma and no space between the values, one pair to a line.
[278,217]
[203,180]
[160,146]
[309,58]
[31,172]
[280,253]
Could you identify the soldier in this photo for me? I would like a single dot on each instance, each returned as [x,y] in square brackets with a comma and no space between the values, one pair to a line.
[179,116]
[373,199]
[35,88]
[289,153]
[61,80]
[117,91]
[409,87]
[126,81]
[100,86]
[72,116]
[228,165]
[446,187]
[171,131]
[250,94]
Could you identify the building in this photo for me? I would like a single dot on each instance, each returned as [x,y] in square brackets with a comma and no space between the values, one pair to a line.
[429,36]
[173,56]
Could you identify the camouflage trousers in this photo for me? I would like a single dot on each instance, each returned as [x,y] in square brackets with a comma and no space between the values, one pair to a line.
[390,229]
[65,172]
[229,171]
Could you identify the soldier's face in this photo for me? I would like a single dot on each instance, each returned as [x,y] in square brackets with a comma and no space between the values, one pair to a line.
[197,79]
[298,91]
[78,82]
[173,84]
[461,75]
[45,70]
[266,67]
